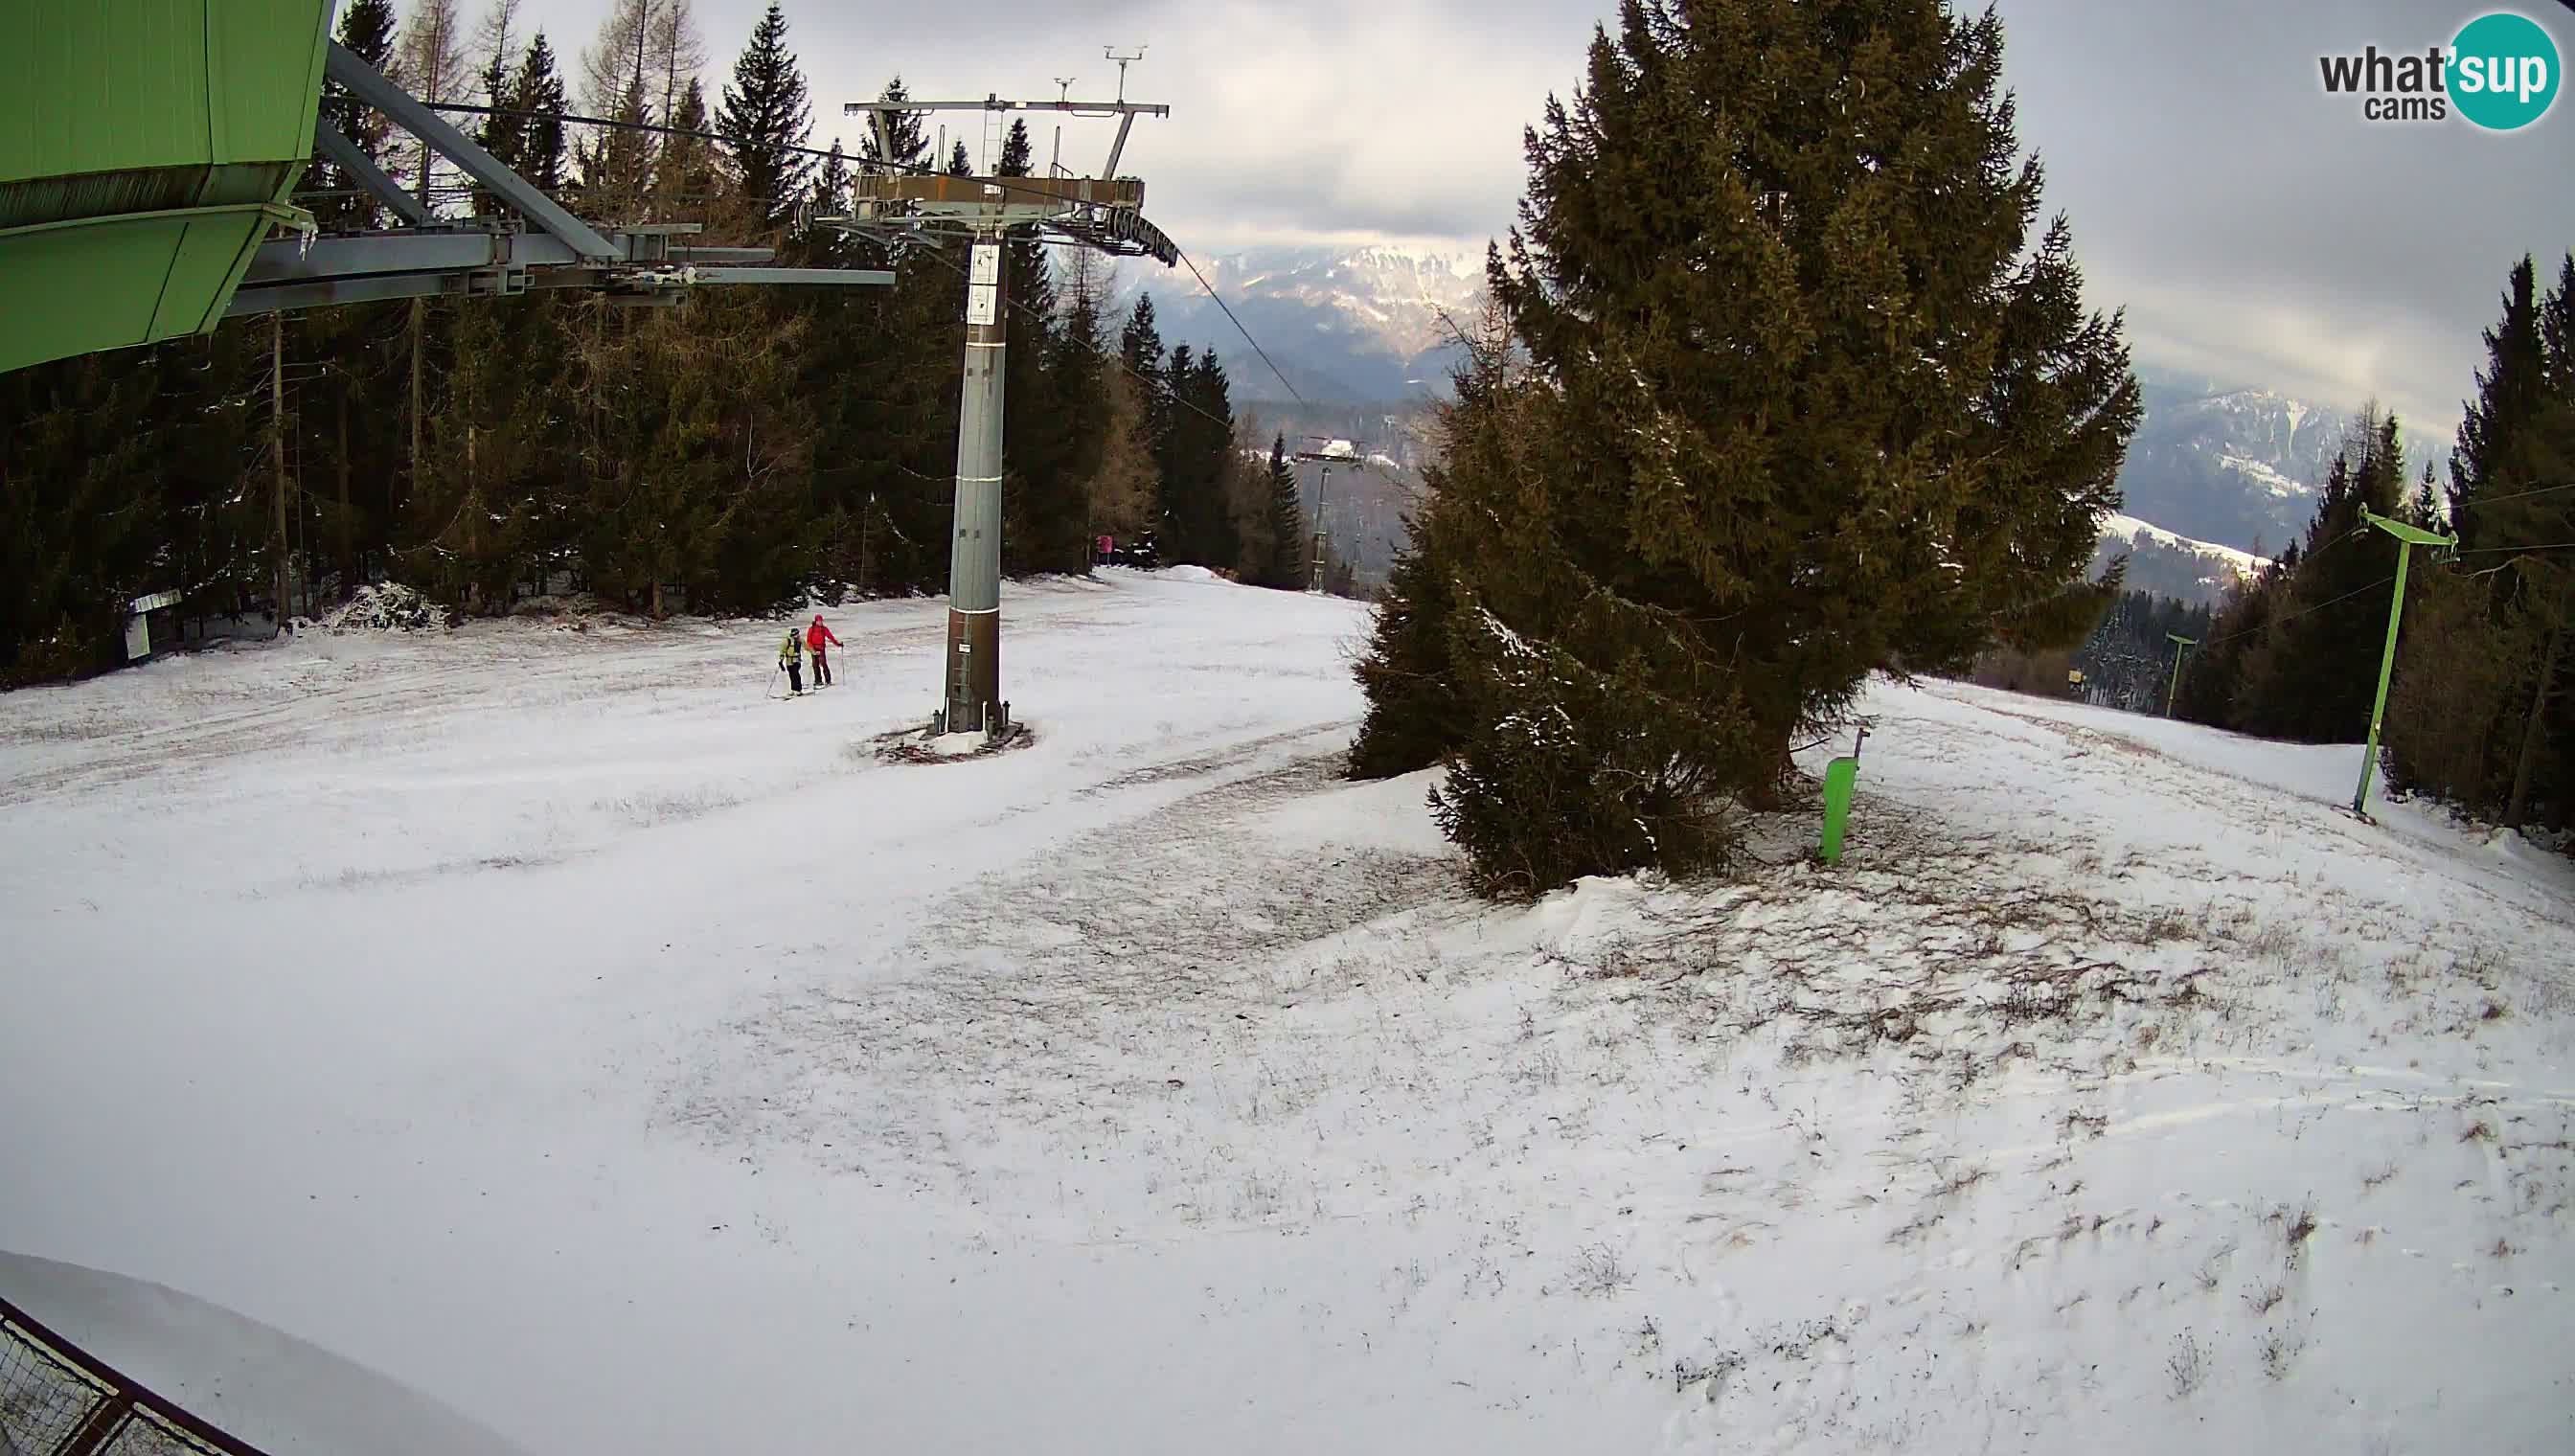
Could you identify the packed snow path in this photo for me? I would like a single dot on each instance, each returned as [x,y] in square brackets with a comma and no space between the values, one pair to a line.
[550,1022]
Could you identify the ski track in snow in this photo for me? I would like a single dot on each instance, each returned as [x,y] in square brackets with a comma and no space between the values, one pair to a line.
[547,1021]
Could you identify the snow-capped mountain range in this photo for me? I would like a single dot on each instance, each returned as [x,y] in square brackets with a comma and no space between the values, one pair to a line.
[2171,565]
[2238,468]
[1343,324]
[2232,469]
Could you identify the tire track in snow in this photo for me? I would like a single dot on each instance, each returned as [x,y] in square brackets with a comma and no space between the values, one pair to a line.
[1129,951]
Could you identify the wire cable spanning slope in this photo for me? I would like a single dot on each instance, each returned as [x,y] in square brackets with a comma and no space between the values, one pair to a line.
[1237,323]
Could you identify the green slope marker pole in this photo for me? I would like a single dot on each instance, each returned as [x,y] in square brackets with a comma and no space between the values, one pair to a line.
[2185,645]
[1839,778]
[2407,538]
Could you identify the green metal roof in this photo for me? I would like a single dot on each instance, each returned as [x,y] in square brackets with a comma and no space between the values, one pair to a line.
[146,149]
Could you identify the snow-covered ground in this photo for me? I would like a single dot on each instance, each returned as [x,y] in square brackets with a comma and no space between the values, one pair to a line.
[548,1021]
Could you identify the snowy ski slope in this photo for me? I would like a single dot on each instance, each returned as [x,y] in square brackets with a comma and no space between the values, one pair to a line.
[626,1061]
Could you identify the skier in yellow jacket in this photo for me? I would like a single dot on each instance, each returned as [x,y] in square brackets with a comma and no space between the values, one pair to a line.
[791,661]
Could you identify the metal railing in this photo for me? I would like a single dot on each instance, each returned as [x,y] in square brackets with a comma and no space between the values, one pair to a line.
[58,1400]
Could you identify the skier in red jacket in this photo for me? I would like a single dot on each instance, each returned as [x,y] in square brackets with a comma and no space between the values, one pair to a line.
[814,637]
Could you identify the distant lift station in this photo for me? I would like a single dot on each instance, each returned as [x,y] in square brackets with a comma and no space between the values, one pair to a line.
[898,208]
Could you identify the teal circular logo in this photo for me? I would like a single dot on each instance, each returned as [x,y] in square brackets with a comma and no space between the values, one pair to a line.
[2503,71]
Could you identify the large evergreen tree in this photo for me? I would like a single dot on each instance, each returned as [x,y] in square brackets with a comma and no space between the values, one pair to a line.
[2494,434]
[766,115]
[1809,400]
[2532,524]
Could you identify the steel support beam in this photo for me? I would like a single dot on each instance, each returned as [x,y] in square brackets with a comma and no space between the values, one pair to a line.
[373,267]
[725,273]
[370,86]
[1125,124]
[361,255]
[345,155]
[409,250]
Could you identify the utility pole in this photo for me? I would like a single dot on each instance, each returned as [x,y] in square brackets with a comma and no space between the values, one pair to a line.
[974,697]
[1322,531]
[417,316]
[277,452]
[2407,538]
[2182,646]
[348,550]
[1327,458]
[1105,213]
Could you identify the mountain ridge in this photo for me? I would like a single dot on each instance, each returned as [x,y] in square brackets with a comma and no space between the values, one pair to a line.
[2219,462]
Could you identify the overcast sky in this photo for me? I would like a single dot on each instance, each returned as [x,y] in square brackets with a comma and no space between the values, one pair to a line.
[2253,228]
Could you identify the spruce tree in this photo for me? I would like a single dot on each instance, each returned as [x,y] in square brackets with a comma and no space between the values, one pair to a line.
[81,489]
[2494,434]
[1172,459]
[616,166]
[686,183]
[2312,673]
[906,146]
[2212,674]
[1045,496]
[2537,524]
[1018,155]
[500,132]
[2423,509]
[1079,394]
[539,88]
[1287,565]
[1809,401]
[2480,713]
[1197,459]
[1125,484]
[959,163]
[765,113]
[1140,343]
[367,29]
[1211,394]
[820,245]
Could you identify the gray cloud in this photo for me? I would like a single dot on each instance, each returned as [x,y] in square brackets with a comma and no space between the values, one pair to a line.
[2252,226]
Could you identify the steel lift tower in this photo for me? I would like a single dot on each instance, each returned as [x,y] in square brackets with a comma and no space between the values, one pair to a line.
[1105,213]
